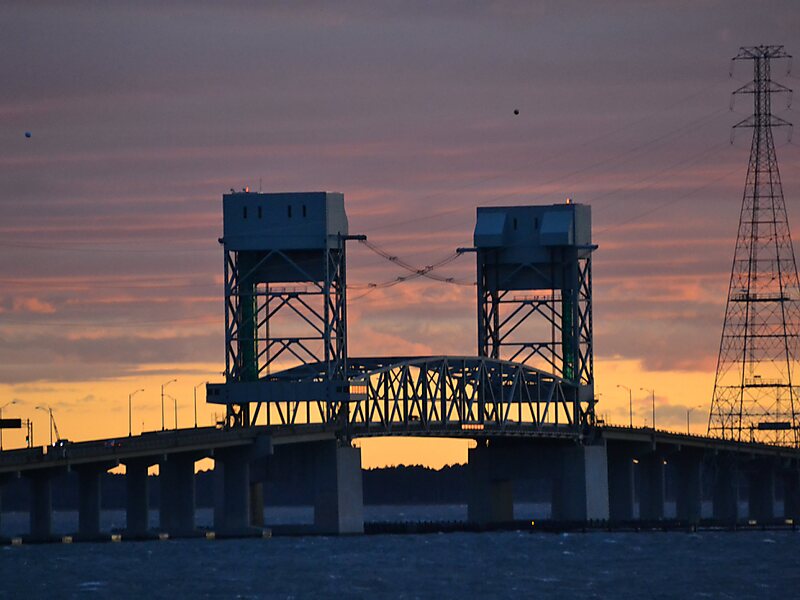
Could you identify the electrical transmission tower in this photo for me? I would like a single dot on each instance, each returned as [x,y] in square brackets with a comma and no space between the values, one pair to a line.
[755,394]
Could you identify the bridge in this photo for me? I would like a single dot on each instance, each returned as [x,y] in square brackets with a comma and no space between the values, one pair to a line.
[295,399]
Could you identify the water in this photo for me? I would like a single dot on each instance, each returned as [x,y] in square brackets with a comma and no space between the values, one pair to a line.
[748,564]
[455,565]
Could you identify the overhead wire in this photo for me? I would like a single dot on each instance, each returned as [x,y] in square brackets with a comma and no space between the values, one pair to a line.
[426,271]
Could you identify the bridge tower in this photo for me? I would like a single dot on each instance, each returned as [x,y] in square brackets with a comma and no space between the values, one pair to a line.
[755,391]
[285,301]
[535,292]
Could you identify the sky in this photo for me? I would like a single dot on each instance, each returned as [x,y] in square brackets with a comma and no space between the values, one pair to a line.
[143,114]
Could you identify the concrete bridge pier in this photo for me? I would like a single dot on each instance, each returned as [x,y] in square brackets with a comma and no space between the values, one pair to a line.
[726,489]
[580,492]
[578,478]
[89,499]
[652,486]
[761,498]
[791,493]
[176,475]
[137,506]
[338,497]
[232,502]
[689,492]
[621,484]
[41,511]
[257,504]
[491,495]
[4,479]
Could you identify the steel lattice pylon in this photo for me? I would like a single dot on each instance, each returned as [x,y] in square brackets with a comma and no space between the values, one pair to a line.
[755,393]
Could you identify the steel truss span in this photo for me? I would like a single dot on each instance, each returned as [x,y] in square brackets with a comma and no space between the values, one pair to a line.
[439,395]
[755,392]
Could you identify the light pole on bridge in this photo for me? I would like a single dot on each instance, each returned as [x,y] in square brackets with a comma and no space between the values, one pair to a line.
[195,401]
[175,405]
[130,411]
[163,387]
[49,411]
[1,418]
[630,402]
[653,396]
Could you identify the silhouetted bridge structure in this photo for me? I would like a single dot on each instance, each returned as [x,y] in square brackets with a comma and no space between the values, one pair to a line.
[621,477]
[295,399]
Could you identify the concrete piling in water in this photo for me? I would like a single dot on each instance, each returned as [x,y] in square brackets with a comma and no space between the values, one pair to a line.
[339,497]
[41,509]
[89,500]
[177,494]
[689,479]
[137,501]
[621,484]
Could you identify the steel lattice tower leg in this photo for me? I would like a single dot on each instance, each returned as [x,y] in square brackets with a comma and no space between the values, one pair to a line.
[755,397]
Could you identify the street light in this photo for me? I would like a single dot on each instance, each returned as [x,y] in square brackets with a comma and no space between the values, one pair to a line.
[163,386]
[175,403]
[688,411]
[49,411]
[1,418]
[195,401]
[630,402]
[653,394]
[130,413]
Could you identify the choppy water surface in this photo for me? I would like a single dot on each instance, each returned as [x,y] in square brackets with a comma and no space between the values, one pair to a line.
[456,565]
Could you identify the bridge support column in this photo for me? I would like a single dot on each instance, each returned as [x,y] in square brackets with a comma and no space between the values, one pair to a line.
[761,498]
[41,510]
[791,493]
[621,490]
[89,501]
[581,486]
[726,490]
[651,499]
[176,475]
[232,514]
[137,502]
[339,498]
[491,498]
[689,500]
[257,504]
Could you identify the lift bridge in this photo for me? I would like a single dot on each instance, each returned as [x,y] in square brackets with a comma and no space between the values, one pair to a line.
[286,301]
[286,333]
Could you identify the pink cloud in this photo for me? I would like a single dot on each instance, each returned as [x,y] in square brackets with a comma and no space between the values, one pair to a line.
[32,305]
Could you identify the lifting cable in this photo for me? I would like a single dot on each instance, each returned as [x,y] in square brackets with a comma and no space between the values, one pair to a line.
[415,272]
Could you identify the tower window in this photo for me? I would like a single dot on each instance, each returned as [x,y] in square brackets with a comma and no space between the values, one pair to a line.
[515,224]
[259,212]
[304,211]
[289,211]
[244,212]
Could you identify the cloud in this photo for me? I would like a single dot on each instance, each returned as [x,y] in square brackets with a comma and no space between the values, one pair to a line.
[32,306]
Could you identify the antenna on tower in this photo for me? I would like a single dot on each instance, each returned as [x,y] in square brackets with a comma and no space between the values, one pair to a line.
[755,394]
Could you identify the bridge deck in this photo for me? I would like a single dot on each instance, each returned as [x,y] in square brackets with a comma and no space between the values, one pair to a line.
[204,441]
